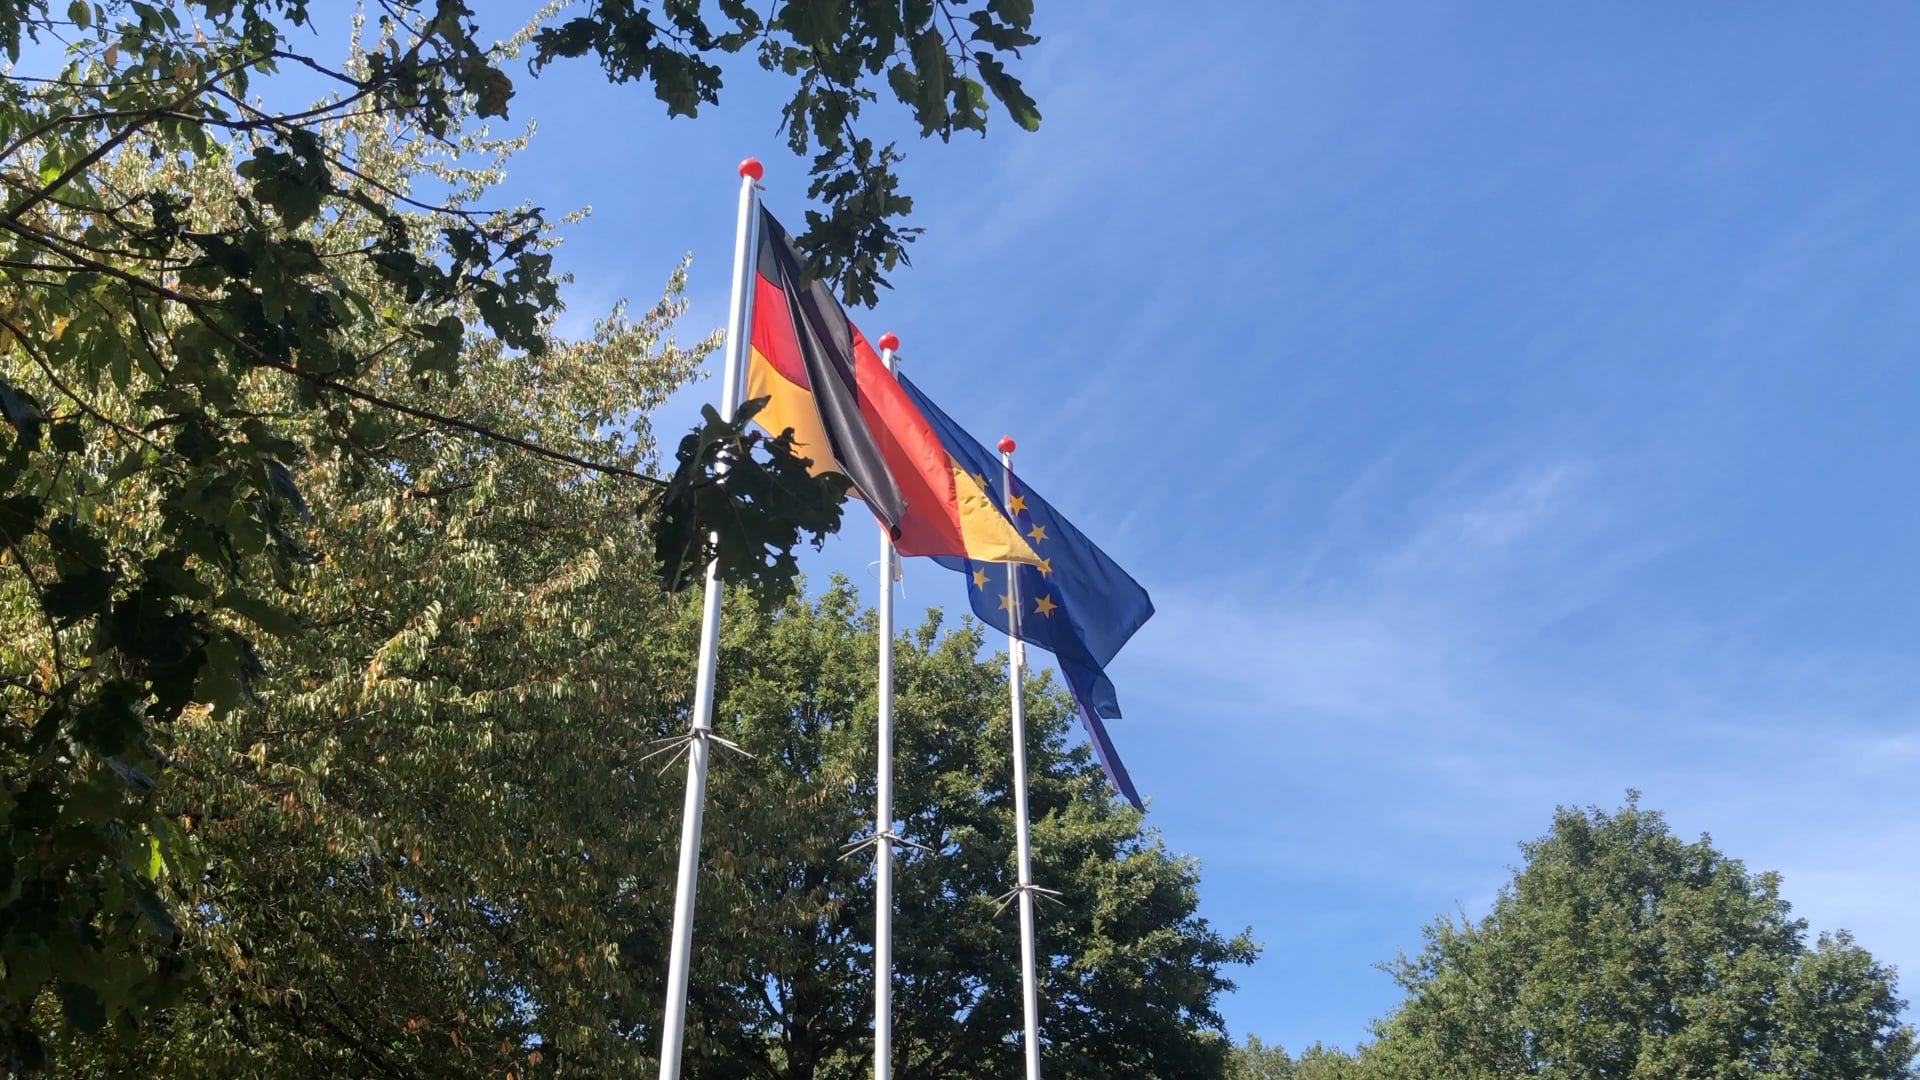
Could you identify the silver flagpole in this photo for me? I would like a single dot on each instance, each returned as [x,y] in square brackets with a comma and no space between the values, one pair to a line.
[883,811]
[1016,668]
[673,1030]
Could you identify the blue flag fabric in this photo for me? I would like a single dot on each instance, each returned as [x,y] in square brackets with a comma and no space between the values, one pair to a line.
[1077,603]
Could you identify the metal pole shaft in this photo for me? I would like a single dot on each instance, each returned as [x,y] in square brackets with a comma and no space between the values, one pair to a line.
[883,817]
[673,1031]
[1016,668]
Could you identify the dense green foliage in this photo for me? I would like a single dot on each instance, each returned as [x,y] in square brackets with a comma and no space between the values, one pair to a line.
[444,860]
[1254,1060]
[211,302]
[439,847]
[406,816]
[1621,952]
[1130,971]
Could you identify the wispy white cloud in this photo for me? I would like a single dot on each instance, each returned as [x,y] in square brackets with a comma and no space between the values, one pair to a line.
[1405,636]
[1428,664]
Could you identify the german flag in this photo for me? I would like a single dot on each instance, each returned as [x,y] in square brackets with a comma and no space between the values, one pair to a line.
[803,361]
[826,382]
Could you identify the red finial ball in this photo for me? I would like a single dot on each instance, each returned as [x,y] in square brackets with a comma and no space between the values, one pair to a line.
[889,343]
[752,167]
[1006,444]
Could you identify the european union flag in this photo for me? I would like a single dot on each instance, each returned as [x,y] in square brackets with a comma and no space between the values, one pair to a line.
[1076,603]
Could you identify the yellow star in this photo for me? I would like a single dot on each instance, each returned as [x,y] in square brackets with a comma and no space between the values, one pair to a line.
[979,579]
[1045,606]
[1006,602]
[981,479]
[1016,504]
[1037,533]
[1045,567]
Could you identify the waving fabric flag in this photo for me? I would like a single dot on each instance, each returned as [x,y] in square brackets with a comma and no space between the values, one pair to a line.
[803,361]
[1075,602]
[825,381]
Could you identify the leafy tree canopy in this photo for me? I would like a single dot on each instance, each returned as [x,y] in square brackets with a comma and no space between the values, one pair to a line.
[1255,1060]
[1621,951]
[208,303]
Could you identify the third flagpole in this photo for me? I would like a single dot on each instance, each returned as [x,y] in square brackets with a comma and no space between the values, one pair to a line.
[883,810]
[673,1028]
[1016,670]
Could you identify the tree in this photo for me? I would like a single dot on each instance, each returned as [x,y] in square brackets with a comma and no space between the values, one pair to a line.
[431,843]
[1327,1063]
[1130,972]
[1255,1060]
[201,297]
[291,807]
[464,877]
[1619,950]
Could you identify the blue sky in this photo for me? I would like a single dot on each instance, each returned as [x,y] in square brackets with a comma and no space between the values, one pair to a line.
[1505,408]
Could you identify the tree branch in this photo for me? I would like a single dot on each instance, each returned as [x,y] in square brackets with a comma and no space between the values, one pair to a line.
[198,308]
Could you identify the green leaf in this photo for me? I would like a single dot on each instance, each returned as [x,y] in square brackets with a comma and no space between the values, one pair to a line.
[28,969]
[269,442]
[931,65]
[23,413]
[22,1050]
[132,462]
[67,438]
[492,90]
[1018,103]
[111,723]
[19,516]
[170,570]
[294,186]
[81,1005]
[280,482]
[1016,12]
[155,909]
[266,616]
[1000,36]
[79,594]
[227,679]
[905,86]
[46,728]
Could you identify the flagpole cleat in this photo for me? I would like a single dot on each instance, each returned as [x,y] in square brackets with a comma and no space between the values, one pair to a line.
[855,847]
[1006,899]
[676,746]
